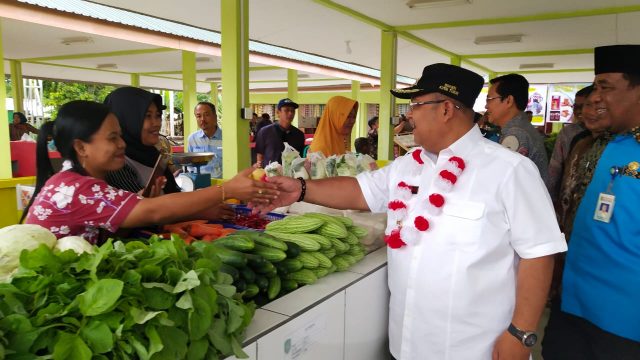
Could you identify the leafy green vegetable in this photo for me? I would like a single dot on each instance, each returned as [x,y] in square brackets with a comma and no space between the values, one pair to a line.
[157,300]
[100,297]
[71,347]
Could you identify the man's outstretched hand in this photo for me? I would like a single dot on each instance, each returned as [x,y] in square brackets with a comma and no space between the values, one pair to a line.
[289,189]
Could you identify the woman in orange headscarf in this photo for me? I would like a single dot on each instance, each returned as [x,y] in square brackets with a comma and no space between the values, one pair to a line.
[334,131]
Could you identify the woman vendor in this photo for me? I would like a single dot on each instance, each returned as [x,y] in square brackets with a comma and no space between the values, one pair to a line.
[333,134]
[139,113]
[20,126]
[78,201]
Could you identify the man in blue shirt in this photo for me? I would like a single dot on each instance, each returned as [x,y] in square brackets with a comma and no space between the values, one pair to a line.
[600,317]
[208,138]
[270,140]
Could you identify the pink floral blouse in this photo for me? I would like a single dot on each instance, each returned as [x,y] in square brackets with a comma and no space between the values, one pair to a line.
[73,204]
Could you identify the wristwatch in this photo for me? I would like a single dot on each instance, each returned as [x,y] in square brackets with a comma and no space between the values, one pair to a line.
[527,338]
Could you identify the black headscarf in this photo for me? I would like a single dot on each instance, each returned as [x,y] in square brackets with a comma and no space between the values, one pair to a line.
[130,105]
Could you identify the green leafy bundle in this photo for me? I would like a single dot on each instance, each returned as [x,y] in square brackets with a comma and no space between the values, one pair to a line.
[157,300]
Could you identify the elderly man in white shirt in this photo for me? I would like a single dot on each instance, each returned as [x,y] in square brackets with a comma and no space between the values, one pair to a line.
[471,229]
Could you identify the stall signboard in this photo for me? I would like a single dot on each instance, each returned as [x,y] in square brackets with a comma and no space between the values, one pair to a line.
[560,99]
[537,103]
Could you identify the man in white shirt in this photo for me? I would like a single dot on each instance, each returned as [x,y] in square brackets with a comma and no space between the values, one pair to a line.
[471,229]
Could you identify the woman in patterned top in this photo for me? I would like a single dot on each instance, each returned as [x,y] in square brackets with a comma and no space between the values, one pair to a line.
[78,201]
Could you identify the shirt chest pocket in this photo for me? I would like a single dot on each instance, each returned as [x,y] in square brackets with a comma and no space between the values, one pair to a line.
[463,223]
[200,148]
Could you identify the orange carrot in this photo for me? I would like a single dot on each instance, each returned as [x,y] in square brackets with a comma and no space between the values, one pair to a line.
[209,238]
[186,223]
[227,231]
[200,230]
[214,226]
[188,239]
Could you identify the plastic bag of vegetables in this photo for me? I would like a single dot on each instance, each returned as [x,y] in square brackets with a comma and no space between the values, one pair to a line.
[347,165]
[273,169]
[318,163]
[298,168]
[366,163]
[330,166]
[288,155]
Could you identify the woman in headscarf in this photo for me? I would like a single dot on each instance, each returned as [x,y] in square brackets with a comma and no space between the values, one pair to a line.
[139,113]
[20,126]
[333,135]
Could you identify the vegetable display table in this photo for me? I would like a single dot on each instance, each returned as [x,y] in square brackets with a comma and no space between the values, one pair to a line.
[342,316]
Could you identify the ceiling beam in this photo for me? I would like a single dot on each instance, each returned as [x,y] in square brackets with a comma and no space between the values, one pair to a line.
[354,14]
[524,72]
[206,71]
[529,54]
[401,33]
[525,18]
[103,70]
[299,80]
[51,17]
[99,55]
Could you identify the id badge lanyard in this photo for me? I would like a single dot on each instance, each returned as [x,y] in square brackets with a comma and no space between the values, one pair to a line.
[607,199]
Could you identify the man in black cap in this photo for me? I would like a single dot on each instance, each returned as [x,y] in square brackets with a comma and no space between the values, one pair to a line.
[506,101]
[469,252]
[600,316]
[270,139]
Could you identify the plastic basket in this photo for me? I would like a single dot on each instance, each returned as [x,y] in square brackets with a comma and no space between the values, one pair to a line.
[243,210]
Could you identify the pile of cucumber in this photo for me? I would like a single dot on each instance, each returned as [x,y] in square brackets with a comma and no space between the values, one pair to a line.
[294,251]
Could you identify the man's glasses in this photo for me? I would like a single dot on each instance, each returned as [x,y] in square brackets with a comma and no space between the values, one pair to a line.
[494,97]
[413,105]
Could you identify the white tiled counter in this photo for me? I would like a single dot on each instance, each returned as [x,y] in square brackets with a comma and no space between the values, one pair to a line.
[342,316]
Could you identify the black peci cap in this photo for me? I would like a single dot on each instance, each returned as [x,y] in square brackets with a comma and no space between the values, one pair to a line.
[450,80]
[617,59]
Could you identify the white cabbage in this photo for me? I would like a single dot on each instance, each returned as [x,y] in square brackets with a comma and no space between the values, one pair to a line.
[75,243]
[14,239]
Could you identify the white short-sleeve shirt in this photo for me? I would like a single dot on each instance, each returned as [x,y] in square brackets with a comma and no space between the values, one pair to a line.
[453,293]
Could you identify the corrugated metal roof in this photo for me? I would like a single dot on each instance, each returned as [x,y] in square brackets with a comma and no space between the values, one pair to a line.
[107,13]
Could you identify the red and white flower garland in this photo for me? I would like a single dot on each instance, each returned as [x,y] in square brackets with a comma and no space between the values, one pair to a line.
[399,233]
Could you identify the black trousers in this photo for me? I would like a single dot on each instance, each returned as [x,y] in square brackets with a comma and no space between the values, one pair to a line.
[569,337]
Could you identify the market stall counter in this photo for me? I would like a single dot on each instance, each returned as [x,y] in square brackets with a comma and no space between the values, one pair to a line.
[23,158]
[319,292]
[342,316]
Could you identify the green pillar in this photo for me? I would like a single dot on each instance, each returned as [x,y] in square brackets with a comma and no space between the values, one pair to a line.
[235,85]
[17,85]
[213,95]
[5,150]
[189,98]
[292,91]
[456,60]
[389,53]
[356,132]
[165,99]
[135,80]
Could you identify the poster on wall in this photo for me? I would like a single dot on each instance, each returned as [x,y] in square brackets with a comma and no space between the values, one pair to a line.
[537,103]
[560,98]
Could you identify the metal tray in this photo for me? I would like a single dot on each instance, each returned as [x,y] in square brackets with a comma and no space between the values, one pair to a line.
[192,158]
